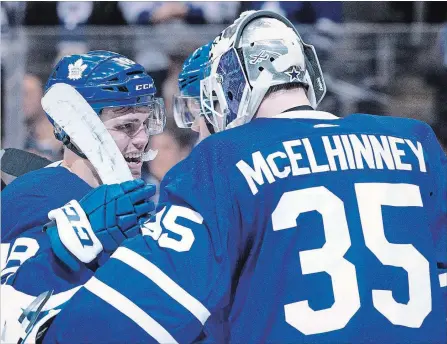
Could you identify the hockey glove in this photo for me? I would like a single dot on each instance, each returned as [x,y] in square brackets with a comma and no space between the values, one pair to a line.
[105,217]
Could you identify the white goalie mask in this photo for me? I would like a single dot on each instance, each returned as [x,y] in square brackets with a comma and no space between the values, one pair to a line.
[261,49]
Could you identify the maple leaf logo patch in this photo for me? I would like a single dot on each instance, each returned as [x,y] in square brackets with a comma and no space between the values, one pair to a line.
[76,69]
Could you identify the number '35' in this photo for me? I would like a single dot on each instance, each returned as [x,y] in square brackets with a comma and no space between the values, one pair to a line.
[166,221]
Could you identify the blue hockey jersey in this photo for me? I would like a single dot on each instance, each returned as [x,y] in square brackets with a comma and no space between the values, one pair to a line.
[29,265]
[303,228]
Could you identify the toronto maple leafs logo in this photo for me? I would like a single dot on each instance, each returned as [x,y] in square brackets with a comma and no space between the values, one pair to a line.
[76,69]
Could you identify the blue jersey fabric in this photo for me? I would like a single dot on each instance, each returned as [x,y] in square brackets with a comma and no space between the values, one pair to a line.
[31,268]
[284,230]
[28,199]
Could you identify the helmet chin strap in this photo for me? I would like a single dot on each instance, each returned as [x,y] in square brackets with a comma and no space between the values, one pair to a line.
[71,146]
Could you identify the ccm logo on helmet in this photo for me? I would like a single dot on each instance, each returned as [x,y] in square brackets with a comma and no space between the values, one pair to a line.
[144,87]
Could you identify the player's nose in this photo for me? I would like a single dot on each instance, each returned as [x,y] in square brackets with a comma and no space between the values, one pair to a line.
[140,140]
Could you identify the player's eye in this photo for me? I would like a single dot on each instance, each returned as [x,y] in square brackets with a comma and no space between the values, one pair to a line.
[124,127]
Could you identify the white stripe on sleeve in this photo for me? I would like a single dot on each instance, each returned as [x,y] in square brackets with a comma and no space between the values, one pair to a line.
[129,309]
[152,272]
[443,279]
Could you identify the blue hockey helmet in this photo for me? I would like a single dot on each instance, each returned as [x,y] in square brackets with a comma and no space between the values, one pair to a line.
[187,105]
[107,79]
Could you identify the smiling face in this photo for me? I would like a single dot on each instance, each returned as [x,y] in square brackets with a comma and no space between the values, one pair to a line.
[127,126]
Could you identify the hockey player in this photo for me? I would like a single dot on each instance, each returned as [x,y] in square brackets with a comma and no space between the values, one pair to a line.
[293,226]
[123,95]
[187,109]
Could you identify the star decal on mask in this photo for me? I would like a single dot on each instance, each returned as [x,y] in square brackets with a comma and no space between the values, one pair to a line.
[295,74]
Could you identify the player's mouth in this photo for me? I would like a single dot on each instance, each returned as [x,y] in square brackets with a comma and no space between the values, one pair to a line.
[134,161]
[133,157]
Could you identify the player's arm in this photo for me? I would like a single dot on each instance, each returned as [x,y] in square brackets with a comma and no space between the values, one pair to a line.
[40,274]
[440,234]
[32,269]
[88,231]
[28,266]
[109,213]
[165,285]
[438,163]
[104,218]
[158,287]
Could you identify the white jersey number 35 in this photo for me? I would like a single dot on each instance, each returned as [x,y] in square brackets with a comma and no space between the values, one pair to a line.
[330,258]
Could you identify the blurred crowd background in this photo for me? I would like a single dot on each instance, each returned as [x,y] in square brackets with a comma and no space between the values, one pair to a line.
[385,58]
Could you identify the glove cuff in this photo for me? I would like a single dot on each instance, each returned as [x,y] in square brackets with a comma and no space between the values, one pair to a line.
[61,252]
[74,232]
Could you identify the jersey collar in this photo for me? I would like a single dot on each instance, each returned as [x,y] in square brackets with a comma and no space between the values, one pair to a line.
[306,114]
[55,164]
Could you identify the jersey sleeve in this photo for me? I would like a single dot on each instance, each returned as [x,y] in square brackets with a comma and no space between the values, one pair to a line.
[33,269]
[439,230]
[171,284]
[440,234]
[29,267]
